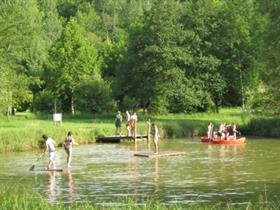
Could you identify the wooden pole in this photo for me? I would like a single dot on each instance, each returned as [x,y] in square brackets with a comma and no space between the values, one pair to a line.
[148,131]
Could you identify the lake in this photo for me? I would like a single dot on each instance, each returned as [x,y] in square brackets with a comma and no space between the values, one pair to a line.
[107,173]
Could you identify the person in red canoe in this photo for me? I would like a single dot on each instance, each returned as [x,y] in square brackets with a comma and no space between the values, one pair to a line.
[216,133]
[234,130]
[210,130]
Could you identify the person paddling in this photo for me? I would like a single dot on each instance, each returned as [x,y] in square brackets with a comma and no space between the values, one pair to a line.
[68,146]
[50,147]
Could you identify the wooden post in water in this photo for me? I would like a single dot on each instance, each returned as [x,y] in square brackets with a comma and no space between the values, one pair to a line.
[148,131]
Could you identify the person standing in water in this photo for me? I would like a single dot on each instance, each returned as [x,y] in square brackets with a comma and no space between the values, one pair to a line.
[68,146]
[50,147]
[155,136]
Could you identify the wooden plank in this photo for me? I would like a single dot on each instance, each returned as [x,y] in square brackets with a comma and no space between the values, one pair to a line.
[52,169]
[160,154]
[56,169]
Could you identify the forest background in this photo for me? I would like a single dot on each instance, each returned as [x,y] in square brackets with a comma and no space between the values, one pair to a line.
[161,56]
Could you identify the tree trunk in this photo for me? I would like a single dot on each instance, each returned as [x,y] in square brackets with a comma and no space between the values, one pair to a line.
[72,102]
[241,82]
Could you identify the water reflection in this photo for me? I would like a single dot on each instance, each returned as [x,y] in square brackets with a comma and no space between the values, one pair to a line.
[208,173]
[51,193]
[156,174]
[70,185]
[225,162]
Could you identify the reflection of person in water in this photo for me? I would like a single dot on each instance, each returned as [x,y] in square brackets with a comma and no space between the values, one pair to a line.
[156,174]
[70,185]
[51,187]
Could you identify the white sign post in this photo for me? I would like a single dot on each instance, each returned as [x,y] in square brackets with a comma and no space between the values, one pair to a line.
[57,118]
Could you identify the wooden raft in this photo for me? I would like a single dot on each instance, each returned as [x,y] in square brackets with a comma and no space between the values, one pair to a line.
[160,154]
[117,139]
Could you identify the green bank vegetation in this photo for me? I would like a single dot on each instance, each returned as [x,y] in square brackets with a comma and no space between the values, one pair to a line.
[23,131]
[19,197]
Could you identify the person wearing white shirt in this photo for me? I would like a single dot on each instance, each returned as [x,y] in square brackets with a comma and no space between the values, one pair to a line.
[50,147]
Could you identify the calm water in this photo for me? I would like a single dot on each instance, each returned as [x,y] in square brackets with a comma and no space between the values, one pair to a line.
[103,173]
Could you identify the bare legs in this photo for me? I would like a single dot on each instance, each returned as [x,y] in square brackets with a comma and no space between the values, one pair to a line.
[51,161]
[69,157]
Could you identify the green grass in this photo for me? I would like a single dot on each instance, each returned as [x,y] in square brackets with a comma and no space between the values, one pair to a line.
[23,132]
[14,197]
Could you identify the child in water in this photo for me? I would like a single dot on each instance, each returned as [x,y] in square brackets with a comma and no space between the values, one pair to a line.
[68,146]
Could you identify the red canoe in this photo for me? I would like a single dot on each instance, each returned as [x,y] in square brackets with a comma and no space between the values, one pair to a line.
[230,141]
[205,139]
[220,141]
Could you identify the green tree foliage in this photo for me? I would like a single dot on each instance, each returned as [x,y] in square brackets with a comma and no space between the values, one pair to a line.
[201,66]
[21,49]
[235,43]
[94,95]
[72,58]
[152,68]
[160,55]
[267,96]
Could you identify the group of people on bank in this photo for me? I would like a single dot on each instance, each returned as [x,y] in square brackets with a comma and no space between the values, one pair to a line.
[225,132]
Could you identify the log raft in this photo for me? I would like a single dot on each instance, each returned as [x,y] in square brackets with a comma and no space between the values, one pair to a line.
[160,154]
[117,139]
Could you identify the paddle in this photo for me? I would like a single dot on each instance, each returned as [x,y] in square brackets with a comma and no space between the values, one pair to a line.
[33,166]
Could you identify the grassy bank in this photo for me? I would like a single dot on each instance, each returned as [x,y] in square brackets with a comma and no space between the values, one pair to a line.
[23,131]
[14,197]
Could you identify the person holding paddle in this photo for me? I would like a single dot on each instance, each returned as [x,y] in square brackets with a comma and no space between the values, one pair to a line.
[68,145]
[49,146]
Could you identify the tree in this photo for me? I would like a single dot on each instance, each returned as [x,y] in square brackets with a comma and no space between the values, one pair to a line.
[152,64]
[72,58]
[268,93]
[237,44]
[22,48]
